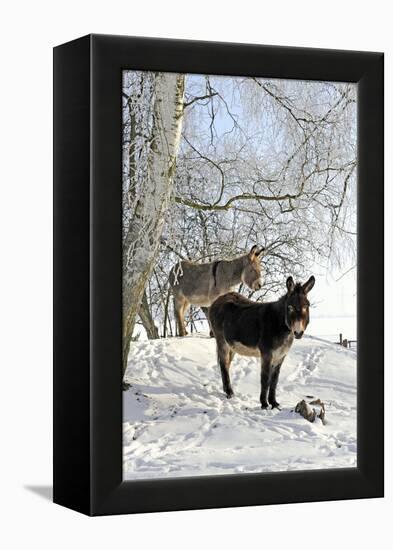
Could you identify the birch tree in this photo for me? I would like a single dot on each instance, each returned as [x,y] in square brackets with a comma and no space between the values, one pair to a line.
[153,105]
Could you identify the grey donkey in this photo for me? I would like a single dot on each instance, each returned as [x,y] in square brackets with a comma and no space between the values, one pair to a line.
[201,284]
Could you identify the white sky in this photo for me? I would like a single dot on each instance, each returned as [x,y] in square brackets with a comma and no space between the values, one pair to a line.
[334,296]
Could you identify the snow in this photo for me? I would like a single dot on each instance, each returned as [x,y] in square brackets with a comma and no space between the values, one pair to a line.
[177,422]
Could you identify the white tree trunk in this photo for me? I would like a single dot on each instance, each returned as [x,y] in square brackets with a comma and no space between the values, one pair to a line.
[143,236]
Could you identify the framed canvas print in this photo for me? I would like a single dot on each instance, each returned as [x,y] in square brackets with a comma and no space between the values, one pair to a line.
[218,275]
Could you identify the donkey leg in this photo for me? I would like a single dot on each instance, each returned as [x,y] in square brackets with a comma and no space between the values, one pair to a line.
[176,309]
[225,356]
[183,312]
[273,385]
[206,312]
[178,304]
[266,374]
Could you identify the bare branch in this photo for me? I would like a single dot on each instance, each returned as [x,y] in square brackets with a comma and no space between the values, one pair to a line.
[199,98]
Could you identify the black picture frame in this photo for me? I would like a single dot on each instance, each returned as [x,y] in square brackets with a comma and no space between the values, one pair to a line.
[87,275]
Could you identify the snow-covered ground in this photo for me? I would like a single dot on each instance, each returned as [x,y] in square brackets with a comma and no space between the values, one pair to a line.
[178,422]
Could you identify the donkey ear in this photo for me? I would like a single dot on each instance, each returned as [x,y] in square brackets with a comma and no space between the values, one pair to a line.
[260,252]
[253,252]
[290,284]
[308,285]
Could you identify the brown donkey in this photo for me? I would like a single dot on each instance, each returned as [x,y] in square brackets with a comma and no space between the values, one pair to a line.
[264,330]
[201,284]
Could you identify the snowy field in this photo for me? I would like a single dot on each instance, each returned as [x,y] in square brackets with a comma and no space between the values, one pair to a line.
[178,422]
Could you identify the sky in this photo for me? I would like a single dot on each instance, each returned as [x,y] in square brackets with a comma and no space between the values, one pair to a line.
[336,292]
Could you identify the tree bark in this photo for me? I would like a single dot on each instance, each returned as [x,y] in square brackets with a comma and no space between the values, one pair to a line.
[147,319]
[142,240]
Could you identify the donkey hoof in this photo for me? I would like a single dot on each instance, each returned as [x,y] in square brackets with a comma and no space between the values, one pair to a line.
[230,394]
[264,405]
[125,386]
[211,334]
[276,405]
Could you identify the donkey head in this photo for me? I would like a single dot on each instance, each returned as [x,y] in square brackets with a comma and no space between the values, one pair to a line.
[252,270]
[297,306]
